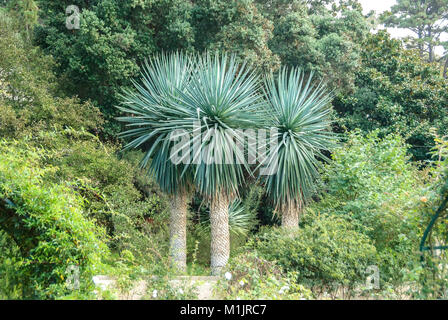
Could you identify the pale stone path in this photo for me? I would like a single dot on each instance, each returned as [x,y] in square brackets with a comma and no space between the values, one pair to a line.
[204,286]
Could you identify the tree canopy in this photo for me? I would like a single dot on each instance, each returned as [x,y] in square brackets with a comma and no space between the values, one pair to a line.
[114,39]
[396,92]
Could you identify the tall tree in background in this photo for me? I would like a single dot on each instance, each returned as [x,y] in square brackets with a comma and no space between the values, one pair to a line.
[317,37]
[427,19]
[396,92]
[116,36]
[236,26]
[114,39]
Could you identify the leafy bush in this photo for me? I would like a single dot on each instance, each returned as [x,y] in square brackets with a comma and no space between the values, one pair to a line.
[253,277]
[113,38]
[46,222]
[30,97]
[429,277]
[326,253]
[119,196]
[140,227]
[9,281]
[372,185]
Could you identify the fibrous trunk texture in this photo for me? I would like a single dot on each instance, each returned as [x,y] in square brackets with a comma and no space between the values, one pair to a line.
[220,234]
[290,216]
[178,231]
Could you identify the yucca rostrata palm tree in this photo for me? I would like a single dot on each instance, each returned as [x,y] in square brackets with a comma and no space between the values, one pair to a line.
[205,102]
[300,113]
[151,107]
[221,101]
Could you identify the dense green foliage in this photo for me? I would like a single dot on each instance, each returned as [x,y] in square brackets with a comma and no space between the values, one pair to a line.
[69,197]
[325,254]
[431,276]
[115,193]
[100,58]
[45,222]
[319,38]
[371,184]
[234,26]
[396,92]
[30,99]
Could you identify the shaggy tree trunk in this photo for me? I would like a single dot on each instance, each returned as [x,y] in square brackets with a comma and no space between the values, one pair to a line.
[220,234]
[445,68]
[178,231]
[290,216]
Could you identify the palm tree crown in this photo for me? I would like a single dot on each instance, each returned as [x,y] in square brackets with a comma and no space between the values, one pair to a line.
[223,98]
[301,114]
[152,106]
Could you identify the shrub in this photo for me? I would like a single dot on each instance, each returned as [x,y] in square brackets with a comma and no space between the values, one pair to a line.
[253,277]
[372,185]
[119,196]
[429,277]
[326,253]
[46,222]
[9,281]
[140,227]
